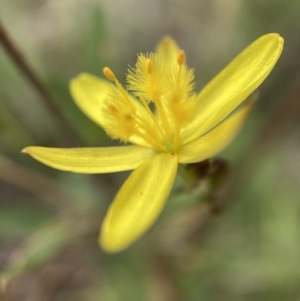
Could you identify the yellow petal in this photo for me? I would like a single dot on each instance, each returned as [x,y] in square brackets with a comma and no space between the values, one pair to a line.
[139,202]
[91,160]
[167,49]
[232,85]
[217,139]
[90,92]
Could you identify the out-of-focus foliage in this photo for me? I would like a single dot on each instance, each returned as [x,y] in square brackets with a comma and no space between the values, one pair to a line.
[249,251]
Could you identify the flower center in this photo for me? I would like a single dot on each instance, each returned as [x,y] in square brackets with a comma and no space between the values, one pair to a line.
[169,146]
[167,86]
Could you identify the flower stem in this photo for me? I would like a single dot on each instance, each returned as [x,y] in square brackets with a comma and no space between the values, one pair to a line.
[186,176]
[19,60]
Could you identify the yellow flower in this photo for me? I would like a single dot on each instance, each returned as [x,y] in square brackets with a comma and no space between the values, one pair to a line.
[165,121]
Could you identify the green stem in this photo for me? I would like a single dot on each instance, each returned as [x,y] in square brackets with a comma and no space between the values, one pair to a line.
[19,60]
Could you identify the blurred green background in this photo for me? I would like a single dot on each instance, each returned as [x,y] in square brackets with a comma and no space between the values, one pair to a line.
[49,220]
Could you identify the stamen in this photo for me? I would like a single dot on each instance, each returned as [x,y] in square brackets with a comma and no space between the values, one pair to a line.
[113,109]
[149,66]
[181,58]
[148,78]
[153,118]
[109,74]
[168,86]
[151,139]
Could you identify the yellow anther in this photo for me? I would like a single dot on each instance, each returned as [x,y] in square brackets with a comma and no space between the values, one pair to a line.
[128,117]
[112,109]
[149,66]
[109,74]
[181,58]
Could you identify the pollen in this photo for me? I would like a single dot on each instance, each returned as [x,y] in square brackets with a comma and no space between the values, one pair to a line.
[113,109]
[181,58]
[109,74]
[149,66]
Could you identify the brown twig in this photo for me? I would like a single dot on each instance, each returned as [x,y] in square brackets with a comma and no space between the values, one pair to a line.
[33,182]
[164,279]
[19,60]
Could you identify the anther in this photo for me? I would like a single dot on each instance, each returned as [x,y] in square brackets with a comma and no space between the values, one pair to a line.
[149,66]
[109,74]
[112,109]
[181,58]
[128,117]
